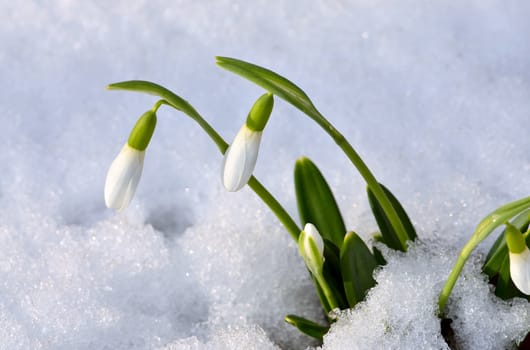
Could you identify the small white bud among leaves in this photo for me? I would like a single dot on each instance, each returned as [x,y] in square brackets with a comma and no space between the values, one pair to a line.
[311,248]
[519,259]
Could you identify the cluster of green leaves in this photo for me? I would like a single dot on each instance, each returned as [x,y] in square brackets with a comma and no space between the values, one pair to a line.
[349,264]
[497,265]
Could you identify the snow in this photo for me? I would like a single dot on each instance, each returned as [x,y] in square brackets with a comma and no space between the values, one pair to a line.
[433,95]
[401,312]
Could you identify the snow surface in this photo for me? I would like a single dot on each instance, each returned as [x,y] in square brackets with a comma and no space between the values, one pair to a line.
[433,94]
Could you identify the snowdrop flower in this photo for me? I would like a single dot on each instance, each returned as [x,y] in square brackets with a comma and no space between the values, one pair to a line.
[125,171]
[311,248]
[240,158]
[519,259]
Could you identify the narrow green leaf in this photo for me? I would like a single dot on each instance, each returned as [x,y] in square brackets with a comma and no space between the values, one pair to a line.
[270,81]
[155,90]
[504,287]
[403,216]
[316,203]
[332,273]
[390,237]
[499,243]
[381,261]
[357,267]
[308,327]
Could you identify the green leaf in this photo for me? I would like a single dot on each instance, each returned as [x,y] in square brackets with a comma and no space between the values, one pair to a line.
[357,267]
[332,273]
[270,81]
[390,237]
[308,327]
[316,203]
[155,90]
[381,261]
[504,287]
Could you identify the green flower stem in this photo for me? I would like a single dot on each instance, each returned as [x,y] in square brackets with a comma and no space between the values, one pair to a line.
[365,172]
[253,183]
[327,291]
[159,103]
[455,273]
[484,228]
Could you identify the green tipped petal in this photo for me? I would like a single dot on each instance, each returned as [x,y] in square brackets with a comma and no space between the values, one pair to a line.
[260,112]
[143,131]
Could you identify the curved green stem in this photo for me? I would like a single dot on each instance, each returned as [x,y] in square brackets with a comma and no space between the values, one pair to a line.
[484,228]
[365,172]
[455,273]
[159,103]
[176,102]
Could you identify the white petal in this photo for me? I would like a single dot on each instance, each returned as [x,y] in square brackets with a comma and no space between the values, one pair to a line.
[312,231]
[123,177]
[240,159]
[520,270]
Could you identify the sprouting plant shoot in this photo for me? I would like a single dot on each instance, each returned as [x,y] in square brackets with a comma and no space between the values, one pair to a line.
[339,262]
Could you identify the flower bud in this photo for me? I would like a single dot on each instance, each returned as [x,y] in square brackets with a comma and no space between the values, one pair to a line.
[123,177]
[240,158]
[126,169]
[311,248]
[519,259]
[143,131]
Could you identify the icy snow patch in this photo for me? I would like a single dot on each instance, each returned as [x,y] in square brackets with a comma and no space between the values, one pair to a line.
[401,311]
[248,338]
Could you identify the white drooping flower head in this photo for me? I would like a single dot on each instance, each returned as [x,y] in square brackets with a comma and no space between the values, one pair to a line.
[311,248]
[240,159]
[123,177]
[126,169]
[519,259]
[241,156]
